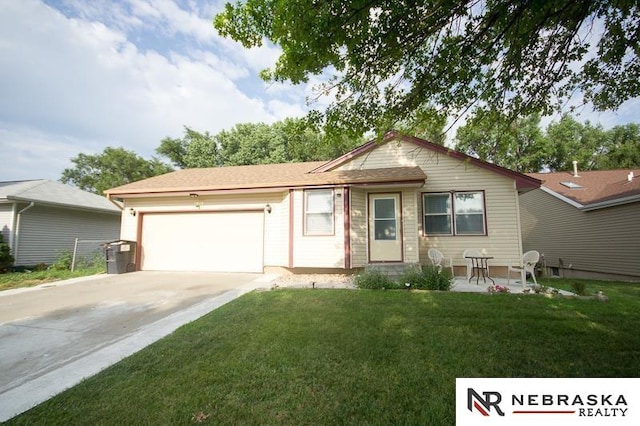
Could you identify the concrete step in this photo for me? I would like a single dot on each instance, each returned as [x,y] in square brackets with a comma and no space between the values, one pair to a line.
[392,270]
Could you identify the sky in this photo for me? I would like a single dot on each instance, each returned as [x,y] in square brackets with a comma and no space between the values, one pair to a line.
[78,76]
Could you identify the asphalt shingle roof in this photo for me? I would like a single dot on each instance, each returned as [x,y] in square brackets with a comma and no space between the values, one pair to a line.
[54,193]
[263,176]
[595,186]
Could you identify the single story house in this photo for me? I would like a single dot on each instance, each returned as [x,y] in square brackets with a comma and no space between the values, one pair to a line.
[39,219]
[385,202]
[585,224]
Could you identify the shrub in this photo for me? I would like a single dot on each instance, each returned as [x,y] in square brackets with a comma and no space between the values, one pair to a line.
[40,267]
[415,277]
[6,259]
[436,280]
[63,263]
[418,277]
[372,279]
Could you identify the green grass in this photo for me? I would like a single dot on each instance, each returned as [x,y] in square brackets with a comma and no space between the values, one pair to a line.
[30,279]
[353,357]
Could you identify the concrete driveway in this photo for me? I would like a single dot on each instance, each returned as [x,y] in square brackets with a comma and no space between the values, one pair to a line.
[53,336]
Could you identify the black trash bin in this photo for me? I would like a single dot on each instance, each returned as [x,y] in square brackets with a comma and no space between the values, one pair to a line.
[121,256]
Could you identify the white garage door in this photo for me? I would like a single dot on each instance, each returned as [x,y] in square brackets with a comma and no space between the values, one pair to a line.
[220,242]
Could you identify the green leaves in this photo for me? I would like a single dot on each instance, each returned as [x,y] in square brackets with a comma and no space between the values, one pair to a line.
[521,144]
[113,167]
[291,140]
[517,145]
[384,59]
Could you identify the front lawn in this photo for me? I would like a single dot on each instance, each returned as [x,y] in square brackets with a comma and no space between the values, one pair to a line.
[353,357]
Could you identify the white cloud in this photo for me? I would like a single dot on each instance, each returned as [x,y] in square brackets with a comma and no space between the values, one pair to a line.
[29,154]
[167,15]
[282,110]
[83,84]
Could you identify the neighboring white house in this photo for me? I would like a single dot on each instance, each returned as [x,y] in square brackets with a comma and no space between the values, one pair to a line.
[40,219]
[585,224]
[386,202]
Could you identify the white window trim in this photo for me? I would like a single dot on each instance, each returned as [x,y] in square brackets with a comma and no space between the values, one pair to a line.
[307,212]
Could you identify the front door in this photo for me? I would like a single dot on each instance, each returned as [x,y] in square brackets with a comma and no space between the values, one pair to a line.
[385,228]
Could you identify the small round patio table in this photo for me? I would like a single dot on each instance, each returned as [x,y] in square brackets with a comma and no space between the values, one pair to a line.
[480,267]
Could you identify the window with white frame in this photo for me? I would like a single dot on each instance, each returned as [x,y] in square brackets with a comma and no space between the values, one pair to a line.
[454,213]
[318,212]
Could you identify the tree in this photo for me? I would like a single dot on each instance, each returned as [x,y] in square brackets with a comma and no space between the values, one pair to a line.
[425,123]
[113,167]
[385,59]
[291,140]
[517,145]
[623,151]
[522,146]
[569,140]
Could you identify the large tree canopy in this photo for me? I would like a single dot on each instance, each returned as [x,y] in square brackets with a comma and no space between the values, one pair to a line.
[523,146]
[285,141]
[517,145]
[386,59]
[113,167]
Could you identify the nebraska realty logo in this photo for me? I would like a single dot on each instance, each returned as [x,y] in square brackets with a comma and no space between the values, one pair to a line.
[531,401]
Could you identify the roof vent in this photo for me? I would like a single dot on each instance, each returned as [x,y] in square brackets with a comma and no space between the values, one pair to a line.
[575,168]
[571,185]
[630,176]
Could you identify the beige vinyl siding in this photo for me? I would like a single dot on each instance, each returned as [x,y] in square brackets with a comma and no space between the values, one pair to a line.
[47,231]
[444,174]
[275,224]
[358,230]
[318,251]
[410,227]
[391,154]
[604,240]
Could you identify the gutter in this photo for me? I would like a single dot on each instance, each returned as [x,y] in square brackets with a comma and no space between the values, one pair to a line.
[17,231]
[63,205]
[611,203]
[594,206]
[115,203]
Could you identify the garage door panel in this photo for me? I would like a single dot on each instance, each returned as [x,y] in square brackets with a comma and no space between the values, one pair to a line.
[220,242]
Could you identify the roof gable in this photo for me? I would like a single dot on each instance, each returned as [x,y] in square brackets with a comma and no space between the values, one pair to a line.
[593,189]
[55,193]
[523,182]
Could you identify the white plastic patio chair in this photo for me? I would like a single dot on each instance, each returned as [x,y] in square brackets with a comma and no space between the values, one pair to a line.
[438,260]
[473,253]
[527,265]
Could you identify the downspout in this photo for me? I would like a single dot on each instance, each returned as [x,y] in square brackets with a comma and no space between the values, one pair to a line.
[17,233]
[347,227]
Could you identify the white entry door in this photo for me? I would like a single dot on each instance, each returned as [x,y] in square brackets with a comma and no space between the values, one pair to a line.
[385,228]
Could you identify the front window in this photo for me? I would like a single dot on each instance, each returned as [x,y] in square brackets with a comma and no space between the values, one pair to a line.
[454,213]
[318,214]
[469,210]
[437,214]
